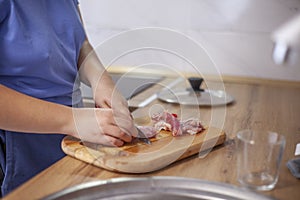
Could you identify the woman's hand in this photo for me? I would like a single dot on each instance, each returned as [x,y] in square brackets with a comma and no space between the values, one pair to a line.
[97,125]
[106,96]
[102,126]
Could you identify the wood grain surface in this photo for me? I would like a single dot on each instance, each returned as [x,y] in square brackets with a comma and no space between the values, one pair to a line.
[256,106]
[138,157]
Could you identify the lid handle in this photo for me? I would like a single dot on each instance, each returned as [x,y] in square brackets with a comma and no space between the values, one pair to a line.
[195,83]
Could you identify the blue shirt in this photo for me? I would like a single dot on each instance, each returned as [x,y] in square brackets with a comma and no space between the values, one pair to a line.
[40,41]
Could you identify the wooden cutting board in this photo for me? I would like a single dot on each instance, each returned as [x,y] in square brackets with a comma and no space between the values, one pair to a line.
[138,157]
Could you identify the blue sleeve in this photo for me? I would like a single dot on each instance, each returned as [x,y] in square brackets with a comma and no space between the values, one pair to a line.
[4,9]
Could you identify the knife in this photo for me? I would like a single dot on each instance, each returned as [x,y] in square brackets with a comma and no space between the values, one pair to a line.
[142,137]
[155,95]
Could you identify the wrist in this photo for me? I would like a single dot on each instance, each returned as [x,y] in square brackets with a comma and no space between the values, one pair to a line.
[68,126]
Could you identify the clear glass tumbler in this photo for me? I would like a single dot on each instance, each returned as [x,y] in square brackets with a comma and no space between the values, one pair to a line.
[259,157]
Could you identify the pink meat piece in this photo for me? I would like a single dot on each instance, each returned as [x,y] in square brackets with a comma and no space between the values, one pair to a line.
[166,121]
[149,131]
[191,126]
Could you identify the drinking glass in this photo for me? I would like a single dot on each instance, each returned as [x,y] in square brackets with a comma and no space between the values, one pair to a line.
[259,157]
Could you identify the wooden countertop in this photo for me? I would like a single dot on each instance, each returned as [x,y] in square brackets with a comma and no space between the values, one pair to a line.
[272,107]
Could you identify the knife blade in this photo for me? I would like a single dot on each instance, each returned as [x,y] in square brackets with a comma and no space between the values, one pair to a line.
[142,137]
[155,95]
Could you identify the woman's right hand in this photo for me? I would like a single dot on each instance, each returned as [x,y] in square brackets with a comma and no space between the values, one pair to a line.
[98,125]
[102,126]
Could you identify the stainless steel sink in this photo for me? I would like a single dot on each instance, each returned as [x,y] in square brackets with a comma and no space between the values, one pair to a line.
[160,188]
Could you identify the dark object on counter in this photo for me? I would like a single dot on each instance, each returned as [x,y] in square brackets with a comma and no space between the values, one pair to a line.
[294,167]
[196,83]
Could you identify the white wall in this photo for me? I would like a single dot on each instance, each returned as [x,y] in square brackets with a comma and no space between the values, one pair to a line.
[234,33]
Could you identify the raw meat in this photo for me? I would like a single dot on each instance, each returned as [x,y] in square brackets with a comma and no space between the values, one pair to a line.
[149,131]
[191,126]
[169,122]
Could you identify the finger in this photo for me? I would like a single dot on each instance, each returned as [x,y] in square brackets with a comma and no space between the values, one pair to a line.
[107,103]
[117,133]
[103,104]
[126,125]
[120,127]
[112,141]
[121,111]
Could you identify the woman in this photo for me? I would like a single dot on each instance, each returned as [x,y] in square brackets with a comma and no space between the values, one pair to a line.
[43,48]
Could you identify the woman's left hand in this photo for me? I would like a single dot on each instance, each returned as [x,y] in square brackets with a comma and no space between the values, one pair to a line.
[94,74]
[106,95]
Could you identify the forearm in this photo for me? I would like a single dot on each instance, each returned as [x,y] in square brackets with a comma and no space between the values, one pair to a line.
[23,113]
[91,70]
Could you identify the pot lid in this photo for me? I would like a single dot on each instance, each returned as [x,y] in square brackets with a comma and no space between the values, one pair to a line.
[196,95]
